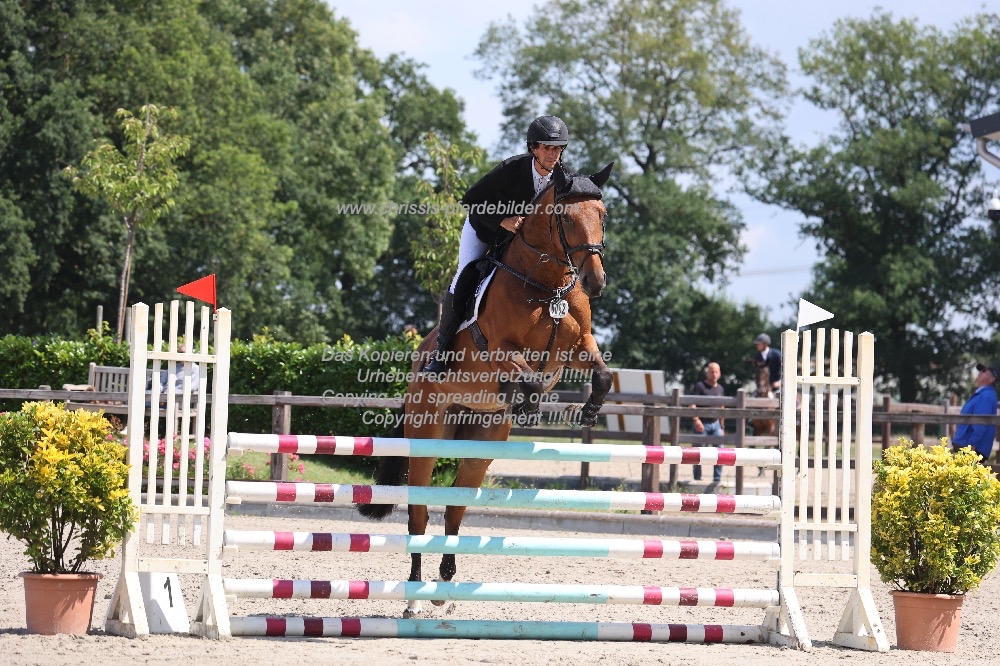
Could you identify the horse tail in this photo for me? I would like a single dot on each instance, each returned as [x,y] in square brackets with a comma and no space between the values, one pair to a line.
[391,472]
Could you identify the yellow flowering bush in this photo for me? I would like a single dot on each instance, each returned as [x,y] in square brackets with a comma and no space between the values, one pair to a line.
[935,518]
[63,486]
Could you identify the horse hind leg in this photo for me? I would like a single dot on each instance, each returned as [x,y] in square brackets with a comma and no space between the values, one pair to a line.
[420,473]
[391,472]
[471,473]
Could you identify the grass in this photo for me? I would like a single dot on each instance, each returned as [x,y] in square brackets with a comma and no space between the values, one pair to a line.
[315,469]
[252,466]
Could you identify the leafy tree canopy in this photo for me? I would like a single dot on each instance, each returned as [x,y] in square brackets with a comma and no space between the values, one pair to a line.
[894,195]
[288,118]
[673,92]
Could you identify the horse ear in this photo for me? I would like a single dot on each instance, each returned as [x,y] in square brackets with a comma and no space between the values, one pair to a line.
[602,176]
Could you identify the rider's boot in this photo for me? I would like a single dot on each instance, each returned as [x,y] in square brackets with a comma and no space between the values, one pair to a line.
[447,328]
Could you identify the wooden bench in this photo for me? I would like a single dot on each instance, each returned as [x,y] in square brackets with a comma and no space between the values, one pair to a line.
[113,379]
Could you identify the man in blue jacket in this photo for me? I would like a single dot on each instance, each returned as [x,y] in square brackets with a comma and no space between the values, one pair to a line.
[982,401]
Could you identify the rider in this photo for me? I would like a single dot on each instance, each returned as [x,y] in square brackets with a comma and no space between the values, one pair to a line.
[508,187]
[771,357]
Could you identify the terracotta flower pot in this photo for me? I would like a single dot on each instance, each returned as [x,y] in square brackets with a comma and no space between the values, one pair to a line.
[59,603]
[927,621]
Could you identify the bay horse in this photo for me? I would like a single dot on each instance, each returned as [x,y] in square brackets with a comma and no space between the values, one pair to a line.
[762,377]
[536,321]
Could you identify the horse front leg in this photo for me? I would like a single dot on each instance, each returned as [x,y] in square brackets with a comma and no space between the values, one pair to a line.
[588,357]
[420,475]
[471,473]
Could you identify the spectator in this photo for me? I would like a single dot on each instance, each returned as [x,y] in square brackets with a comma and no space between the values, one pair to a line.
[772,357]
[181,369]
[709,426]
[982,401]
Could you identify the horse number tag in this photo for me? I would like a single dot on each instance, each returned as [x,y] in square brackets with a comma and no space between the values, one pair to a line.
[558,308]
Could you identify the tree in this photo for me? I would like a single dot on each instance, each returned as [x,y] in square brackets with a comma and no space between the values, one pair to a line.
[414,109]
[288,119]
[136,181]
[673,92]
[893,197]
[435,253]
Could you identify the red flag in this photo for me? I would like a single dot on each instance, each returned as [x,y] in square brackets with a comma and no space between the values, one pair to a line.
[203,289]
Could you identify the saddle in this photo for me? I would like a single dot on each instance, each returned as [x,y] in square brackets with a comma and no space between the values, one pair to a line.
[472,306]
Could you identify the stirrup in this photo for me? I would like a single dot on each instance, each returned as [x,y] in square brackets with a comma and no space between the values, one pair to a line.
[435,367]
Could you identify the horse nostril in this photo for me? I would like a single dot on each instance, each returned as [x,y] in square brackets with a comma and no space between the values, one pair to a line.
[593,287]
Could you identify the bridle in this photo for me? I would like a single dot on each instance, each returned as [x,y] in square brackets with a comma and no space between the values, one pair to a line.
[557,293]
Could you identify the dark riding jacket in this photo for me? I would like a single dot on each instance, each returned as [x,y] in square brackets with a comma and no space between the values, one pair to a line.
[503,192]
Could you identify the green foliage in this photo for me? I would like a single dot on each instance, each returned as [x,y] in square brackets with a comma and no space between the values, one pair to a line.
[64,483]
[136,181]
[345,368]
[674,92]
[27,363]
[891,194]
[435,252]
[287,118]
[935,519]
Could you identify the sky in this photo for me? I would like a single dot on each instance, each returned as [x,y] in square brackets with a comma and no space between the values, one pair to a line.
[443,34]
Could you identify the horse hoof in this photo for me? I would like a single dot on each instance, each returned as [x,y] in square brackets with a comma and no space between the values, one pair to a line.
[438,602]
[413,609]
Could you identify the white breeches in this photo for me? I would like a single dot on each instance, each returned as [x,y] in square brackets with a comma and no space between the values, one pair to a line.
[470,249]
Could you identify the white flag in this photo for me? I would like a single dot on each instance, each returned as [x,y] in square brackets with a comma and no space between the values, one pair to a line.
[810,314]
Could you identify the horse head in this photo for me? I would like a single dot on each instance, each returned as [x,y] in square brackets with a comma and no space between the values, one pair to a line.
[576,224]
[762,377]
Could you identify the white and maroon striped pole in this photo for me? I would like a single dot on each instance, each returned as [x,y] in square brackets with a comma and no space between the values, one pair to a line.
[269,492]
[465,448]
[600,631]
[500,545]
[394,590]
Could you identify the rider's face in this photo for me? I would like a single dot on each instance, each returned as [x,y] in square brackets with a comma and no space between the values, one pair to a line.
[547,156]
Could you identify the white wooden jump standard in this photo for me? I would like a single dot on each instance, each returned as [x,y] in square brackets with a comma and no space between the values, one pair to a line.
[783,623]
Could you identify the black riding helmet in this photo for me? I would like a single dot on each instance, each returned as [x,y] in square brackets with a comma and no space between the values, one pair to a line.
[547,130]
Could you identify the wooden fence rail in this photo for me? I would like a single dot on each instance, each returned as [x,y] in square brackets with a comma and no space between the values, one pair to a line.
[652,408]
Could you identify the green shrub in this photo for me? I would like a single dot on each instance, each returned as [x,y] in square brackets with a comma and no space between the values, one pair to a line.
[373,368]
[27,363]
[345,368]
[935,518]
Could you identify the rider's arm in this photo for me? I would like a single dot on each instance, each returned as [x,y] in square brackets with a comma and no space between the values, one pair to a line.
[498,186]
